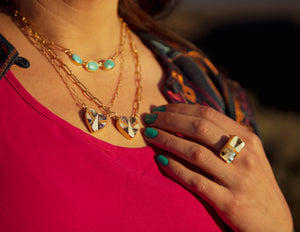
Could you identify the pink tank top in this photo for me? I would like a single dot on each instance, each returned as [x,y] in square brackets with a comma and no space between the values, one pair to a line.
[55,177]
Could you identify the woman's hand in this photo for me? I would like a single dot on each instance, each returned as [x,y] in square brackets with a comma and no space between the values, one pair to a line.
[244,193]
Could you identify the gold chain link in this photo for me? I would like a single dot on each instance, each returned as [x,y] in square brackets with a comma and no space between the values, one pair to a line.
[68,77]
[138,77]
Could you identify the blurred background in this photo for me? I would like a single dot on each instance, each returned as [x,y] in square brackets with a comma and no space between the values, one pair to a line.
[256,42]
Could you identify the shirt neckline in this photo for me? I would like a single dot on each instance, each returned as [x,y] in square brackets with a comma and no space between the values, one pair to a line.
[45,112]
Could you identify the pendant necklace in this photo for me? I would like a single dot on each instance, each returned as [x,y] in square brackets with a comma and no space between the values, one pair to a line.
[128,126]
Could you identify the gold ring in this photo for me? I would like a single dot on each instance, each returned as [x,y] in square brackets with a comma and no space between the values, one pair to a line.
[232,148]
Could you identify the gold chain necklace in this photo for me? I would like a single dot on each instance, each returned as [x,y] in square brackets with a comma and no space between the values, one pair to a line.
[127,126]
[121,53]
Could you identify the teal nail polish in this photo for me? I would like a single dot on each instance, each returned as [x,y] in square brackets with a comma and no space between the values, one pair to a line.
[162,160]
[151,132]
[150,118]
[159,109]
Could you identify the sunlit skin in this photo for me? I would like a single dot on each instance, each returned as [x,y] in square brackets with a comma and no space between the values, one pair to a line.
[79,27]
[244,193]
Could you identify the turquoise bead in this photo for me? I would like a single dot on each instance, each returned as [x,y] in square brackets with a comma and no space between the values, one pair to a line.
[92,66]
[108,64]
[76,59]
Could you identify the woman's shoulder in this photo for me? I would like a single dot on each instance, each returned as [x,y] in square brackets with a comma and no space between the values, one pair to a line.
[192,78]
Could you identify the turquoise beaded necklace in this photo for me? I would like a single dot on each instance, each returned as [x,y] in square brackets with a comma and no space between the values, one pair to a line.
[128,126]
[91,65]
[102,64]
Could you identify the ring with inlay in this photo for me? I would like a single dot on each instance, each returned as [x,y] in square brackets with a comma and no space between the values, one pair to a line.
[232,148]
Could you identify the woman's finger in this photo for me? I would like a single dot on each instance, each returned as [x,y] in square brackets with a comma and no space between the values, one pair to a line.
[192,152]
[216,195]
[202,130]
[208,134]
[206,125]
[206,113]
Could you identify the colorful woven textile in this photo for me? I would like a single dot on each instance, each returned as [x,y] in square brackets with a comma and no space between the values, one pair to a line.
[191,78]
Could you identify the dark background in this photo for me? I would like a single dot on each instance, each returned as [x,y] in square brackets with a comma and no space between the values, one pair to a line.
[257,44]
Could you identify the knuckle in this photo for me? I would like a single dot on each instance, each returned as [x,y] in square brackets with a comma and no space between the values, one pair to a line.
[230,207]
[207,112]
[198,155]
[250,162]
[199,185]
[245,183]
[178,172]
[254,140]
[177,107]
[202,127]
[167,141]
[168,117]
[251,139]
[250,155]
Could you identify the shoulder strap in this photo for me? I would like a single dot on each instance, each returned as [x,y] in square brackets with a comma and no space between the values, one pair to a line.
[9,56]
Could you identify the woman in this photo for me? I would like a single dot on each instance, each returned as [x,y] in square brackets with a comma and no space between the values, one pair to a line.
[58,176]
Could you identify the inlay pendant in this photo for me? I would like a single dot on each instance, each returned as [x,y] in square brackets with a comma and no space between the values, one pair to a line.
[128,126]
[94,121]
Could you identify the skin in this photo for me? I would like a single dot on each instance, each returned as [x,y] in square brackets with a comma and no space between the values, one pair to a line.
[244,193]
[68,23]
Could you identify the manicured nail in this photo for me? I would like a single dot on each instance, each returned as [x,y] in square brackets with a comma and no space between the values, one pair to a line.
[150,118]
[159,109]
[151,132]
[162,160]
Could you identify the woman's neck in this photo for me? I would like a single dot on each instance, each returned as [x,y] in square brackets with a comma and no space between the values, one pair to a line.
[88,26]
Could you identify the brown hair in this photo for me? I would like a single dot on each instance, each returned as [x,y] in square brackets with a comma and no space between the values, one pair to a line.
[140,15]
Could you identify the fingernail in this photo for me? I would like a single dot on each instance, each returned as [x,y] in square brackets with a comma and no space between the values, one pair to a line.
[162,160]
[150,118]
[150,132]
[159,109]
